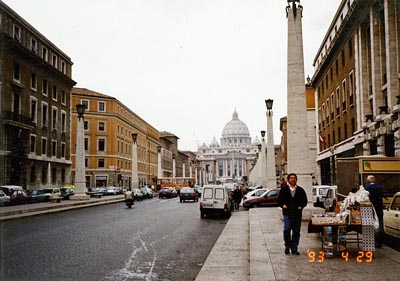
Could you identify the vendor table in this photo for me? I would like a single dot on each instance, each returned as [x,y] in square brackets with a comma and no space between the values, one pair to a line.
[337,232]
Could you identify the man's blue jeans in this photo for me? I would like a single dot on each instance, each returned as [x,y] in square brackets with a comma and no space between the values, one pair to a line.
[291,232]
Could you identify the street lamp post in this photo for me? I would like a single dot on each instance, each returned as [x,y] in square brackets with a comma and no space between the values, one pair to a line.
[134,177]
[80,171]
[271,174]
[263,161]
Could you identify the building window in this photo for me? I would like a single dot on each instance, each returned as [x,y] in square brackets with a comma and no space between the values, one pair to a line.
[54,148]
[45,54]
[63,121]
[54,115]
[338,101]
[100,163]
[86,104]
[332,107]
[33,143]
[86,125]
[54,92]
[54,61]
[101,145]
[44,114]
[44,146]
[17,33]
[63,97]
[17,72]
[102,127]
[350,48]
[86,162]
[33,110]
[101,106]
[33,82]
[344,97]
[34,45]
[63,67]
[16,106]
[44,87]
[86,144]
[63,150]
[351,89]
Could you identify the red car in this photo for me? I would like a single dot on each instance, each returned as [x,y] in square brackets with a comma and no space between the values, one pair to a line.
[267,199]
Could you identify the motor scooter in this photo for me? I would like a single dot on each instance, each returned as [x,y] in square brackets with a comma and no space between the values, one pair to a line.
[129,203]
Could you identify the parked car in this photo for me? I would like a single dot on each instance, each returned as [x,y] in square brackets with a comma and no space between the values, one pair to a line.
[18,197]
[188,194]
[4,199]
[9,189]
[255,192]
[168,192]
[147,192]
[98,189]
[36,196]
[110,190]
[137,194]
[268,199]
[67,192]
[199,190]
[391,217]
[216,200]
[318,193]
[52,192]
[330,199]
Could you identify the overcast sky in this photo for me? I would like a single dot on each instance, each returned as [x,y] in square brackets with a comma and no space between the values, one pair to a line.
[184,66]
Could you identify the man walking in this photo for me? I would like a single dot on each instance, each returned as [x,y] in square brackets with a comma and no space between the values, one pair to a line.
[292,199]
[375,196]
[237,197]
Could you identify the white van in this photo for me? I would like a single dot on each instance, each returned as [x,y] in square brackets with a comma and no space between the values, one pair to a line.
[216,199]
[319,192]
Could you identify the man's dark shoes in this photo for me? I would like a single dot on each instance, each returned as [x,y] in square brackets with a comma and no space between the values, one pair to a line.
[287,251]
[295,253]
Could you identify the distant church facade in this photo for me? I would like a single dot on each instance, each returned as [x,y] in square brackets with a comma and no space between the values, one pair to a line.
[229,160]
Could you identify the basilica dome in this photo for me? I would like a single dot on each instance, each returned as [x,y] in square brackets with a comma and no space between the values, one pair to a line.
[235,128]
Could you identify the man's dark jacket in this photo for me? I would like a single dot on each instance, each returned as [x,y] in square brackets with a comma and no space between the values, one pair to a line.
[292,203]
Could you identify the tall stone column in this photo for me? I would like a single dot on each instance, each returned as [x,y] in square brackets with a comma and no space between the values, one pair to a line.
[159,167]
[299,161]
[183,169]
[263,161]
[80,170]
[134,176]
[271,173]
[173,166]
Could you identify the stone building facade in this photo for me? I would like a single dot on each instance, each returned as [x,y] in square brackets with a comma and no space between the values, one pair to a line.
[231,159]
[356,79]
[108,127]
[35,87]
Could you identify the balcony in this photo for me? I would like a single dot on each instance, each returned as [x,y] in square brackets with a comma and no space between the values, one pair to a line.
[18,120]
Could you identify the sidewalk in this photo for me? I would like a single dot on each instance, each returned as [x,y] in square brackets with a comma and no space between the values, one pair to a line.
[250,248]
[265,259]
[27,210]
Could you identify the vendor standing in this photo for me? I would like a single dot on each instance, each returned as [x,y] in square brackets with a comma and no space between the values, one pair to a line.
[292,199]
[375,196]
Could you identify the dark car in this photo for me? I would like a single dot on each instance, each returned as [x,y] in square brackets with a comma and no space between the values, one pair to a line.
[67,192]
[167,193]
[188,194]
[19,197]
[267,199]
[36,196]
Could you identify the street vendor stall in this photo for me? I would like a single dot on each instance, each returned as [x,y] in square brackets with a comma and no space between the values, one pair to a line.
[352,222]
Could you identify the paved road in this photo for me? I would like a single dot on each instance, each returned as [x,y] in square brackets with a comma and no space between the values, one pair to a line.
[155,240]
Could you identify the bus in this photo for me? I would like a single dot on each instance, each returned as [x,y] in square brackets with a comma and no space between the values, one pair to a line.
[176,182]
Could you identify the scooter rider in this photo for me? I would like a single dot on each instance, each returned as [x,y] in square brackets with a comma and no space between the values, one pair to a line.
[129,196]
